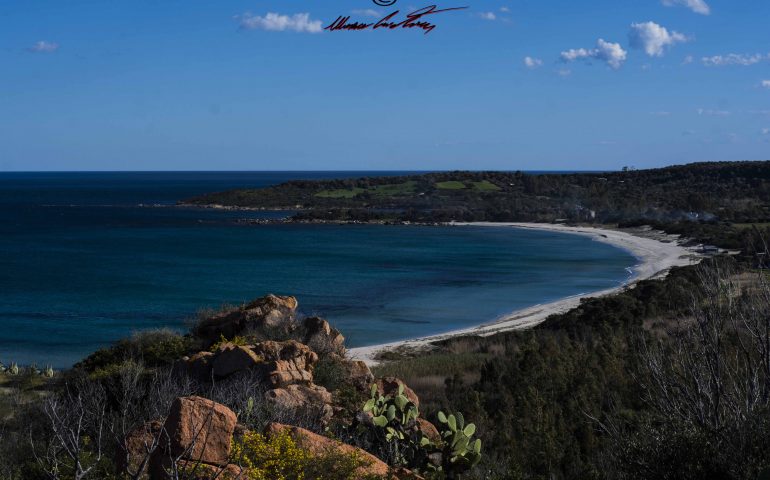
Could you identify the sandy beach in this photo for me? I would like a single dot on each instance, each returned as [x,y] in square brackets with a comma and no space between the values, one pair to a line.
[656,254]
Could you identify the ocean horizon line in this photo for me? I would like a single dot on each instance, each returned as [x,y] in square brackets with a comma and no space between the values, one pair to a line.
[301,171]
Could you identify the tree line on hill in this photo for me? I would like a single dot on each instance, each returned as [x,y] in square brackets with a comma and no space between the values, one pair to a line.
[704,192]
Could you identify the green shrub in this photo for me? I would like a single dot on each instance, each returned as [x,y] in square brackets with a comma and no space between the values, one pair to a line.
[154,348]
[278,457]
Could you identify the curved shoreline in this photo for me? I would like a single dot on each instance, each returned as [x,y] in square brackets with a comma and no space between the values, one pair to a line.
[655,251]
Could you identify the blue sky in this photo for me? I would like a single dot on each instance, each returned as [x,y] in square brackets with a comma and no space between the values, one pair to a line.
[208,85]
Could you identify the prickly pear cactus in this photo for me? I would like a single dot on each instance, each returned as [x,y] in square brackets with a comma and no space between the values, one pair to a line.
[461,451]
[394,418]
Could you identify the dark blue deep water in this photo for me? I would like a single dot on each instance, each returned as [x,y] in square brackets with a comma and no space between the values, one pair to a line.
[88,258]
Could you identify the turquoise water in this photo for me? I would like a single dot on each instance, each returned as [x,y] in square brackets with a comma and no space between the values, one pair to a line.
[83,264]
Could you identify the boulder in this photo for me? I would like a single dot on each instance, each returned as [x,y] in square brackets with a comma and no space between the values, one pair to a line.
[322,337]
[319,445]
[199,365]
[311,399]
[358,374]
[279,363]
[199,429]
[231,358]
[389,386]
[287,362]
[270,311]
[138,446]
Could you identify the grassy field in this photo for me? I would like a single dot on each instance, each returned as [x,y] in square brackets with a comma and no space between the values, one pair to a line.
[485,186]
[427,374]
[387,190]
[450,185]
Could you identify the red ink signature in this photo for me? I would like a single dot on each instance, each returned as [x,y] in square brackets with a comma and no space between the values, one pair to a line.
[413,20]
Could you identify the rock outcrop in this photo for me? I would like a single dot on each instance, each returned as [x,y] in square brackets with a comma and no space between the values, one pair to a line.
[322,337]
[270,311]
[197,435]
[284,369]
[314,399]
[277,363]
[230,359]
[356,372]
[287,363]
[200,429]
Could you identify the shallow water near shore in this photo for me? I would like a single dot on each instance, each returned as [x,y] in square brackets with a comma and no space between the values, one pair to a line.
[85,261]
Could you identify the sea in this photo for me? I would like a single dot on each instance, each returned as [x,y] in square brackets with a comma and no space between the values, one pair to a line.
[89,258]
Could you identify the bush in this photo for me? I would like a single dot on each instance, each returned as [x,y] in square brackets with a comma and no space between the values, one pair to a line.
[153,348]
[280,458]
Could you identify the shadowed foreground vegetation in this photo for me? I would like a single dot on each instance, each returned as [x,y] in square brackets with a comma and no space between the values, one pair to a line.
[667,380]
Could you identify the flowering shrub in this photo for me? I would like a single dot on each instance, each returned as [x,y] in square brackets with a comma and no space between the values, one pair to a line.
[274,458]
[279,457]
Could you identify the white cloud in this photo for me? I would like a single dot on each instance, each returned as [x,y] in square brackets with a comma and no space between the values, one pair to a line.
[610,53]
[765,83]
[505,9]
[43,47]
[741,59]
[564,72]
[299,22]
[713,113]
[369,12]
[653,38]
[688,60]
[697,6]
[533,63]
[488,15]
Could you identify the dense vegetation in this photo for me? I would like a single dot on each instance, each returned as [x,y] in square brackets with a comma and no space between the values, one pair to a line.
[728,191]
[635,385]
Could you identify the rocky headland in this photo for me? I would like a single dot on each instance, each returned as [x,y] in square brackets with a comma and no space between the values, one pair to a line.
[267,353]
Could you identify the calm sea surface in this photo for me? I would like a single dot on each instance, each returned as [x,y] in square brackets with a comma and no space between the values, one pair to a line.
[87,258]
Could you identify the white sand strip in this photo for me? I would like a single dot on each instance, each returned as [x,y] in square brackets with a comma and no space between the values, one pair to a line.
[656,253]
